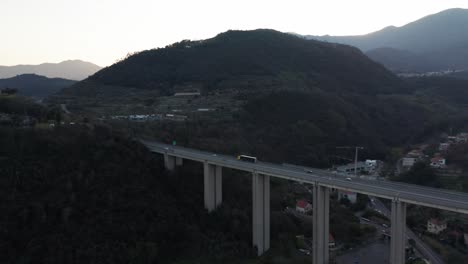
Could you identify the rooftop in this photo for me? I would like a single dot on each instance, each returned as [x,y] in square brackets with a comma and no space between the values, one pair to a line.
[436,221]
[302,203]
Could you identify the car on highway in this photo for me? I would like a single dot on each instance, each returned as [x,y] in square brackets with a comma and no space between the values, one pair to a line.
[348,179]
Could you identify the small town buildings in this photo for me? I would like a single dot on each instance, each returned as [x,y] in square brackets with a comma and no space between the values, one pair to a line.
[349,168]
[461,137]
[435,226]
[438,162]
[408,162]
[302,206]
[444,146]
[412,157]
[194,93]
[173,117]
[451,139]
[371,163]
[5,119]
[351,196]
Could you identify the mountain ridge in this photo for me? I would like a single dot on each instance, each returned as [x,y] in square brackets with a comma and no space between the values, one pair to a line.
[35,85]
[248,55]
[68,69]
[440,38]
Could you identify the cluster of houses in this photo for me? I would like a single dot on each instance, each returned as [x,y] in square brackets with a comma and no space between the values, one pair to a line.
[438,159]
[17,120]
[304,207]
[438,227]
[368,166]
[5,119]
[428,74]
[188,93]
[148,117]
[434,226]
[413,156]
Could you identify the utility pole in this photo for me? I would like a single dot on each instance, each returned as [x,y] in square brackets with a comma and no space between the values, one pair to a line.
[357,148]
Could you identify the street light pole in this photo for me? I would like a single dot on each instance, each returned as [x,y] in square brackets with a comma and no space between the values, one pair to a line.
[357,148]
[355,160]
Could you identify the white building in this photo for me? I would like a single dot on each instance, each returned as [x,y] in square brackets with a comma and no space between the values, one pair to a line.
[408,162]
[349,168]
[371,163]
[444,146]
[435,226]
[412,157]
[437,162]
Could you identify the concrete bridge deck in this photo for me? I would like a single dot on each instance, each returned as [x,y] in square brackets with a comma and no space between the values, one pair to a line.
[408,193]
[400,195]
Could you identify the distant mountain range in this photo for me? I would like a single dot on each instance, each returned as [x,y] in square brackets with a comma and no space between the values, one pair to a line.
[71,69]
[34,85]
[432,43]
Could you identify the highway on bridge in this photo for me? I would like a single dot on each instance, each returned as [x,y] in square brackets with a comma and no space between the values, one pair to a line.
[408,193]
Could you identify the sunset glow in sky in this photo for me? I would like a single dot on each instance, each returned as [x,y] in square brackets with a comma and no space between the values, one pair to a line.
[103,31]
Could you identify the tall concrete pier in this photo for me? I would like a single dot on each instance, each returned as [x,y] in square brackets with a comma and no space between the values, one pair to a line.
[261,212]
[169,162]
[213,186]
[321,207]
[398,240]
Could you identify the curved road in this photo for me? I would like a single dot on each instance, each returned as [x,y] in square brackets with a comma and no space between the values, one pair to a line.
[407,193]
[425,250]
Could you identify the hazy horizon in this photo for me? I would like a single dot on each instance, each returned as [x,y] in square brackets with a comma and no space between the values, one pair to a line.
[56,30]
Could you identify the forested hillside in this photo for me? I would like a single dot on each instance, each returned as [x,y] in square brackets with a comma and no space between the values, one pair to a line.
[89,194]
[245,58]
[285,98]
[35,85]
[80,195]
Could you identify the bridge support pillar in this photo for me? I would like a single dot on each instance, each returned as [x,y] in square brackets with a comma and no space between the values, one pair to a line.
[398,239]
[213,186]
[321,207]
[169,162]
[179,161]
[261,212]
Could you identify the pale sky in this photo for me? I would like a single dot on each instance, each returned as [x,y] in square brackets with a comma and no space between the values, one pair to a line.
[103,31]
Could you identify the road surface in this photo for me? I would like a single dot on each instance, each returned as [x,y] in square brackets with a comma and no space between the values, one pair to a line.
[422,247]
[408,193]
